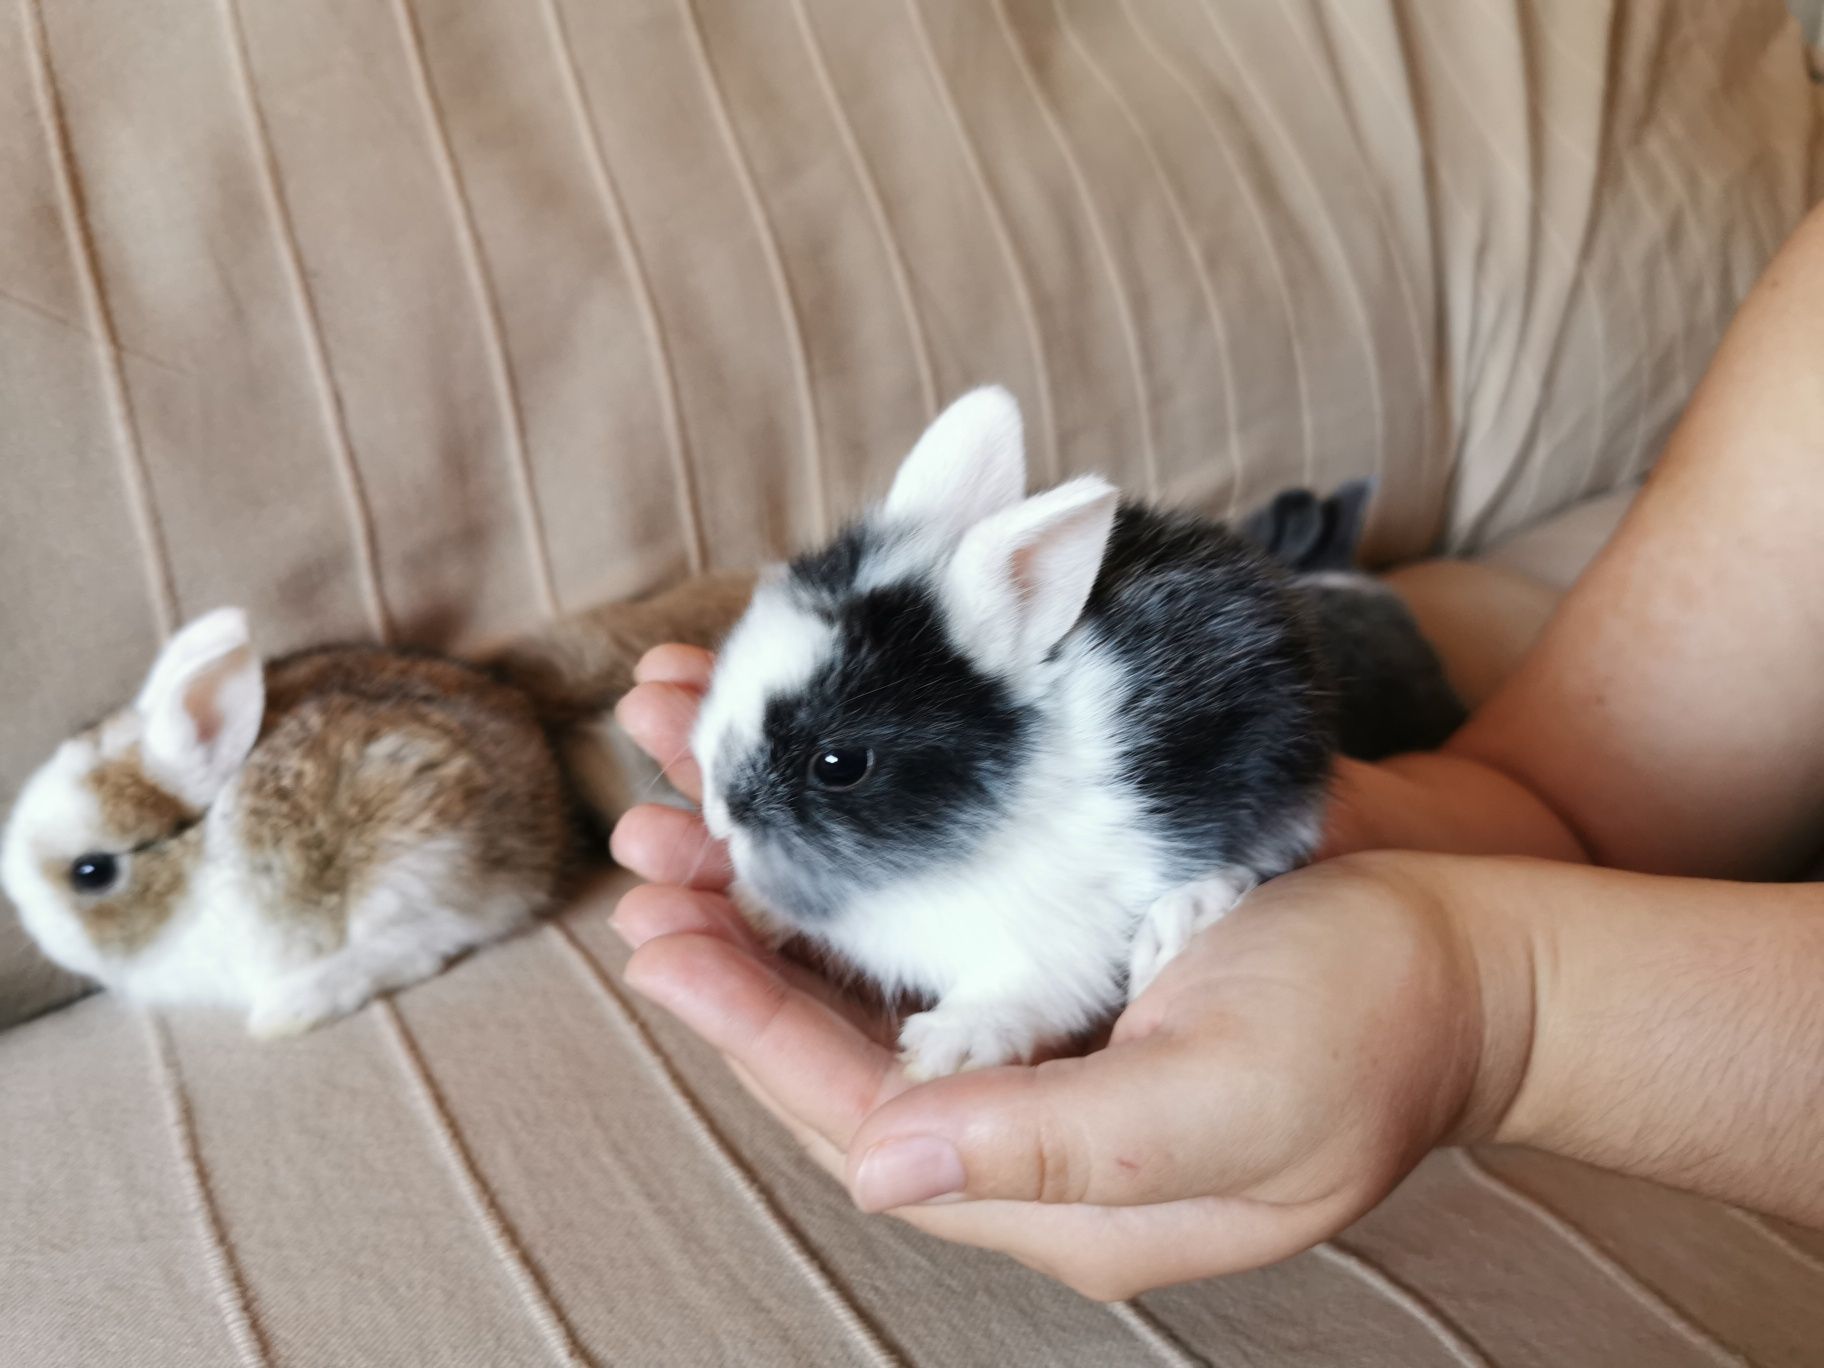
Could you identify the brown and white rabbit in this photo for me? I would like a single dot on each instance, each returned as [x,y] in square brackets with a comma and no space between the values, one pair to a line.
[289,839]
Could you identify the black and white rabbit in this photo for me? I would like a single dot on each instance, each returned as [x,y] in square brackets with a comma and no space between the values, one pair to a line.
[1009,754]
[1390,691]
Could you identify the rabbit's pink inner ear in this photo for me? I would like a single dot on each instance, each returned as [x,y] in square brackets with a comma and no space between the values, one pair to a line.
[201,722]
[1019,581]
[203,703]
[970,463]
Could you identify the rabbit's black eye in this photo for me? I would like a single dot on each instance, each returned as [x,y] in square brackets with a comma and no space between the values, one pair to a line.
[94,873]
[840,767]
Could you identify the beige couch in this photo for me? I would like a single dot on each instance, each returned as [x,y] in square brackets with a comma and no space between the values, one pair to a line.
[427,318]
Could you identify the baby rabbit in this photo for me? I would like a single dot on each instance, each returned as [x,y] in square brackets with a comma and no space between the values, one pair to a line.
[288,840]
[1389,686]
[1009,754]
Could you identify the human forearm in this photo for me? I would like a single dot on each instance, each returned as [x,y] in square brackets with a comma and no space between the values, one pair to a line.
[1441,802]
[1666,719]
[1669,713]
[1668,1028]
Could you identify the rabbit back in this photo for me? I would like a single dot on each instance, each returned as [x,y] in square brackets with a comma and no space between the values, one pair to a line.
[1224,716]
[368,756]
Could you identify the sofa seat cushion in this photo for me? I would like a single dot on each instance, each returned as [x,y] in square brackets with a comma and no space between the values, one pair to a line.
[520,1163]
[428,320]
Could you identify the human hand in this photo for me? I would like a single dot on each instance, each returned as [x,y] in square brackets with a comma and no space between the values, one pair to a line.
[1274,1083]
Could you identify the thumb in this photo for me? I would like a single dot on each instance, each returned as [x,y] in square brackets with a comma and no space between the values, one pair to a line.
[687,666]
[1152,1120]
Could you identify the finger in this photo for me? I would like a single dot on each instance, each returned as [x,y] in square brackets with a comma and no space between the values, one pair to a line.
[811,1061]
[1108,1253]
[1345,826]
[675,664]
[1150,1120]
[824,1154]
[669,846]
[652,910]
[1111,1253]
[659,717]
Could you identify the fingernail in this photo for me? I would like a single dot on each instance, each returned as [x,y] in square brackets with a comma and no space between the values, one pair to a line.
[918,1168]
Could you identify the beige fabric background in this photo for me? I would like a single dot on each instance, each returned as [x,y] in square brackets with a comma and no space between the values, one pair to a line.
[517,1164]
[421,319]
[425,318]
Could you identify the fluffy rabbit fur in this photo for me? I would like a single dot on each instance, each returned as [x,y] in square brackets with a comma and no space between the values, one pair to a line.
[1389,686]
[1009,754]
[576,669]
[288,840]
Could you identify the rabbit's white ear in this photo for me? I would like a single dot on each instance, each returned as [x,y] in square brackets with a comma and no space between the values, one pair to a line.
[1019,579]
[969,464]
[202,706]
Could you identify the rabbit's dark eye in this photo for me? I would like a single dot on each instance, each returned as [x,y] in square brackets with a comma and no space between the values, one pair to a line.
[94,873]
[840,767]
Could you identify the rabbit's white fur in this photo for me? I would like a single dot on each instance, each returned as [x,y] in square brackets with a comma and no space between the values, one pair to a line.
[779,646]
[1024,906]
[226,927]
[1021,943]
[402,930]
[1011,753]
[54,799]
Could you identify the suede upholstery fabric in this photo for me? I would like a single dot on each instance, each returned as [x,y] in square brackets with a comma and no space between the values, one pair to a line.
[422,320]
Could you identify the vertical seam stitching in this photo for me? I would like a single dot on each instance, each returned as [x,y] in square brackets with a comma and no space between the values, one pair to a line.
[1580,286]
[1257,215]
[1547,234]
[1451,438]
[1160,1342]
[507,1247]
[500,365]
[1767,240]
[1180,217]
[1130,334]
[1663,1310]
[1358,300]
[658,347]
[335,419]
[1424,362]
[775,263]
[1003,235]
[1631,183]
[226,1278]
[877,210]
[722,1154]
[155,555]
[1451,1336]
[1533,375]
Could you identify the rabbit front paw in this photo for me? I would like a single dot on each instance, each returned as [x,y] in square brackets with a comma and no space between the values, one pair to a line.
[305,1000]
[954,1036]
[1178,915]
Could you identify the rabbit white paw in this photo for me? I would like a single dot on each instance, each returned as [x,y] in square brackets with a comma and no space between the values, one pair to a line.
[308,998]
[1168,925]
[293,1009]
[954,1036]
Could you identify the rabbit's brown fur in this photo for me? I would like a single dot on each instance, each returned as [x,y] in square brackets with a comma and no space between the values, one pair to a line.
[292,838]
[133,804]
[402,749]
